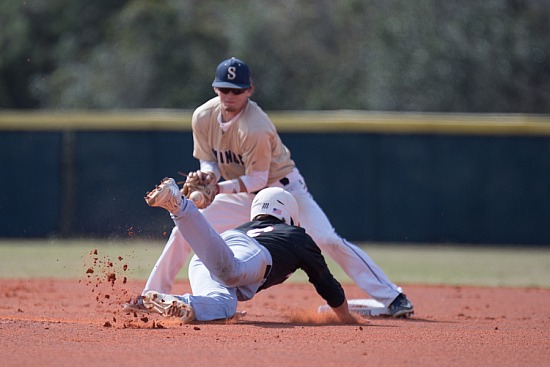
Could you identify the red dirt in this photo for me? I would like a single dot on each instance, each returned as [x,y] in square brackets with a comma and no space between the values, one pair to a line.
[53,322]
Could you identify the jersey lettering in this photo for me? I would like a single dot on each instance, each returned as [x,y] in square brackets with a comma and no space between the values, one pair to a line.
[258,231]
[228,157]
[231,73]
[231,157]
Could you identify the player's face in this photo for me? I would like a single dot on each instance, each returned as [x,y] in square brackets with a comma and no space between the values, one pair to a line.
[233,100]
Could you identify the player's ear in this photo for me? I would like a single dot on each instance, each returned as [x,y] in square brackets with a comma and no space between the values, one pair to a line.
[251,89]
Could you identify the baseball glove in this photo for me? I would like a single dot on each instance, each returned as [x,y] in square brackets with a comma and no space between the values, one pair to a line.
[200,187]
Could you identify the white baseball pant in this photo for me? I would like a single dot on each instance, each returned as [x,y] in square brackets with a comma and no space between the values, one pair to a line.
[225,269]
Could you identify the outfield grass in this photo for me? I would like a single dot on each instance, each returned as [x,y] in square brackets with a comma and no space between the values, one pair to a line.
[404,264]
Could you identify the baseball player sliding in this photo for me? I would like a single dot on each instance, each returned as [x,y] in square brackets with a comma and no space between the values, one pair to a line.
[237,264]
[241,153]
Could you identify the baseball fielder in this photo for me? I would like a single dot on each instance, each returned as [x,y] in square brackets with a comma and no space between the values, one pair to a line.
[237,264]
[236,142]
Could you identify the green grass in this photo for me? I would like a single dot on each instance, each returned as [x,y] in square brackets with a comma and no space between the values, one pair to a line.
[404,264]
[465,265]
[71,258]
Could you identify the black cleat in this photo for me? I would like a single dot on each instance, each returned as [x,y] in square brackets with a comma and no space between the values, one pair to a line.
[401,307]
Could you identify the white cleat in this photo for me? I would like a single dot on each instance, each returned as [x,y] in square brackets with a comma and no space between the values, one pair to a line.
[135,305]
[169,306]
[167,195]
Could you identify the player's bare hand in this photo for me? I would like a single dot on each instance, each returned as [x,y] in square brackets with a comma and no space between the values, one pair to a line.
[344,315]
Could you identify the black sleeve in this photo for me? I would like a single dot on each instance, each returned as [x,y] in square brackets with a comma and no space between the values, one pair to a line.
[291,248]
[313,263]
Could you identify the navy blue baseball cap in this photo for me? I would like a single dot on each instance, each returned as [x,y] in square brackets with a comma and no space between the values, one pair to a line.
[232,73]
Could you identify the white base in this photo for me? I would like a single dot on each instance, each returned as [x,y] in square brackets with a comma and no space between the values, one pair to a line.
[362,307]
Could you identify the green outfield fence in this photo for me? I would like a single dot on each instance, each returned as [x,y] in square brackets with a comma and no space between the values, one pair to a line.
[383,177]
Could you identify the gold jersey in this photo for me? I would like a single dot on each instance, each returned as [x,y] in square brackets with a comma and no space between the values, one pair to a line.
[250,144]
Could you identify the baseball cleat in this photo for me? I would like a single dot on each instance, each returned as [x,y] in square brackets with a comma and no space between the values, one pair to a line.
[167,195]
[169,306]
[401,307]
[135,304]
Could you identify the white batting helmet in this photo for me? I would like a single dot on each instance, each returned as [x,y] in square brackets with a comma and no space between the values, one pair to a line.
[278,203]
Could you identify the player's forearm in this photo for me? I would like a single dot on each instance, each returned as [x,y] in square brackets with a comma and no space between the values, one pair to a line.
[254,181]
[231,186]
[251,182]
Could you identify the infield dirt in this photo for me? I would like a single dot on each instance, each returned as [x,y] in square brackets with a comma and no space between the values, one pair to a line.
[53,322]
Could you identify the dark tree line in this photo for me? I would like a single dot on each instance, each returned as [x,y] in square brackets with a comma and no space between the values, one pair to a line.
[396,55]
